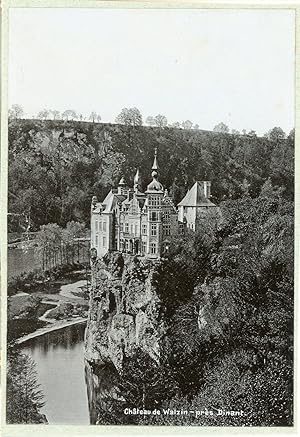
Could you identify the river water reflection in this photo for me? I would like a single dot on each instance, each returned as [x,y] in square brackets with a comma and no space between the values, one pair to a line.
[59,357]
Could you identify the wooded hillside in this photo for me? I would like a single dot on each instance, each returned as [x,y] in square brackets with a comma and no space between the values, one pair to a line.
[55,167]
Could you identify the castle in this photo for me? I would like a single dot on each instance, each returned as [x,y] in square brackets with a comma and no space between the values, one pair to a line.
[128,220]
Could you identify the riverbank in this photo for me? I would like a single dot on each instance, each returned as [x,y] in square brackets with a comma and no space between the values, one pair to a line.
[61,303]
[47,329]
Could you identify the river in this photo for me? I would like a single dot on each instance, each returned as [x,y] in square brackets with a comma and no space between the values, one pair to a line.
[21,261]
[59,359]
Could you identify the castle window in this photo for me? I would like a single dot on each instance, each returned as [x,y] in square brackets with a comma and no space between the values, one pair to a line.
[97,228]
[100,226]
[154,200]
[153,248]
[104,226]
[153,216]
[153,230]
[167,229]
[144,247]
[97,241]
[104,241]
[144,229]
[136,229]
[167,215]
[126,228]
[121,227]
[131,229]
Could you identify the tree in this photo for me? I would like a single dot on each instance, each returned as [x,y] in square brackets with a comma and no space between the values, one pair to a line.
[98,118]
[150,121]
[55,114]
[93,116]
[187,124]
[69,113]
[44,114]
[222,128]
[176,125]
[196,126]
[130,117]
[24,397]
[252,133]
[235,132]
[291,136]
[16,111]
[49,241]
[160,121]
[72,231]
[276,134]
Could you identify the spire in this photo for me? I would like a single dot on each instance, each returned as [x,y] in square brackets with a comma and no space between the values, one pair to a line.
[136,177]
[136,181]
[155,185]
[155,166]
[121,186]
[122,182]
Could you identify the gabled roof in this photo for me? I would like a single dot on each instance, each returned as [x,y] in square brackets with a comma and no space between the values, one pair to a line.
[195,196]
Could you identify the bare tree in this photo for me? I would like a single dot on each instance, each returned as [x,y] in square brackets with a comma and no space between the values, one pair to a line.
[187,124]
[160,121]
[55,114]
[93,116]
[222,128]
[44,114]
[16,111]
[69,113]
[150,121]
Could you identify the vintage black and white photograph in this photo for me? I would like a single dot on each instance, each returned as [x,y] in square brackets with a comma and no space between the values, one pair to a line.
[150,221]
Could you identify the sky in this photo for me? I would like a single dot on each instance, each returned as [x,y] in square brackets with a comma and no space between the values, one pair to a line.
[207,66]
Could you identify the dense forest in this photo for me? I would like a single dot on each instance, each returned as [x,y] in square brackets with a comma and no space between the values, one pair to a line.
[226,290]
[227,298]
[55,167]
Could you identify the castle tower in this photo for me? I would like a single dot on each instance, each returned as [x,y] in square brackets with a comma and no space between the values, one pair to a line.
[155,193]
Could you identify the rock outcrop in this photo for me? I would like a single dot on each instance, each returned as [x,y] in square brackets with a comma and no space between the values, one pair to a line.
[124,311]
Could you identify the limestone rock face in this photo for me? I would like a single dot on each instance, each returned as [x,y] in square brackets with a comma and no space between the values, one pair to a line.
[124,310]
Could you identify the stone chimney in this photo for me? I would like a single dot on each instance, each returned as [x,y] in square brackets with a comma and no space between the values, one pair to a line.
[94,202]
[206,189]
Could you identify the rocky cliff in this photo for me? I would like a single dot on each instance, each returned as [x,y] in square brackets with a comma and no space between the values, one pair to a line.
[124,310]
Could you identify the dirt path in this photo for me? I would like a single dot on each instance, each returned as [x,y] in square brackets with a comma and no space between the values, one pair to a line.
[50,328]
[44,318]
[68,290]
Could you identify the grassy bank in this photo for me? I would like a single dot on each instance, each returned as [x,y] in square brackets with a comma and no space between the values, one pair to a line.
[30,282]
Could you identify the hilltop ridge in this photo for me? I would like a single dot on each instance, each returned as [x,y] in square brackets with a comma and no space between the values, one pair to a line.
[55,167]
